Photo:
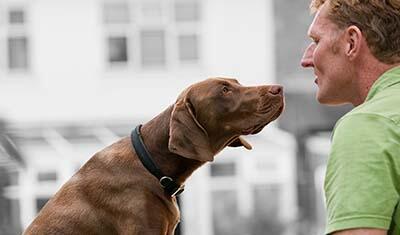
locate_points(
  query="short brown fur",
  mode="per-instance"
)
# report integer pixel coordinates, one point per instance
(114, 194)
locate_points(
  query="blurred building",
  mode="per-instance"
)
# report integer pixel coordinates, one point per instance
(10, 162)
(77, 75)
(245, 192)
(310, 122)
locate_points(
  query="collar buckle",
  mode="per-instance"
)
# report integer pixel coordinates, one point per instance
(167, 183)
(171, 186)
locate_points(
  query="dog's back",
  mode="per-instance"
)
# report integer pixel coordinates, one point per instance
(110, 194)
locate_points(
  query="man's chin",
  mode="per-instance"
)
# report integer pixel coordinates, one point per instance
(321, 99)
(329, 101)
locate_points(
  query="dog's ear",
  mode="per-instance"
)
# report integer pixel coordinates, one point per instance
(186, 135)
(238, 142)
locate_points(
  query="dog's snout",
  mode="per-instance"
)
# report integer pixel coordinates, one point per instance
(276, 90)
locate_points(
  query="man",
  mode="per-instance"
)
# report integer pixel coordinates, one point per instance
(355, 55)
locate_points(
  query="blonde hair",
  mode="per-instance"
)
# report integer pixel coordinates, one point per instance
(379, 21)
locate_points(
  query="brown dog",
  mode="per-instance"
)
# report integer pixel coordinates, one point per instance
(113, 193)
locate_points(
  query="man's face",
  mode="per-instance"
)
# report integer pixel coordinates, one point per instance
(326, 56)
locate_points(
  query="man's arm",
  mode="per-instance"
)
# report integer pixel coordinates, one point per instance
(360, 189)
(361, 231)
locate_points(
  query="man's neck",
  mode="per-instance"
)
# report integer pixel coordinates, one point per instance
(367, 74)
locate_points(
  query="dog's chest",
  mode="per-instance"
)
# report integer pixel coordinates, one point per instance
(177, 213)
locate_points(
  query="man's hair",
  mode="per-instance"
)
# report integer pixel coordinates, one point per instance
(378, 20)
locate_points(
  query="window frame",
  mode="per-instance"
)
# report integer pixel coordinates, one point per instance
(166, 22)
(109, 56)
(9, 31)
(198, 51)
(13, 44)
(3, 41)
(47, 176)
(162, 58)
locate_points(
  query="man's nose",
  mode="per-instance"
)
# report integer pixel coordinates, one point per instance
(307, 60)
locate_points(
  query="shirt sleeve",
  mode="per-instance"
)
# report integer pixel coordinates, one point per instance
(361, 183)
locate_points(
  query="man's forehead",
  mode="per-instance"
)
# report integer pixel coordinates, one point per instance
(320, 22)
(316, 4)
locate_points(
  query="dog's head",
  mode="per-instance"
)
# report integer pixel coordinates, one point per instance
(214, 113)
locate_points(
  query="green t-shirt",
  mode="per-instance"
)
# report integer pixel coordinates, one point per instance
(362, 182)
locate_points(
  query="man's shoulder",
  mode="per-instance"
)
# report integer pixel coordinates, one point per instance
(374, 119)
(385, 105)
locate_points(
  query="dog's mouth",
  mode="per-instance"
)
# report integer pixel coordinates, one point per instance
(254, 129)
(257, 128)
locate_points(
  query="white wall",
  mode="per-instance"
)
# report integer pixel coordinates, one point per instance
(69, 80)
(271, 161)
(239, 36)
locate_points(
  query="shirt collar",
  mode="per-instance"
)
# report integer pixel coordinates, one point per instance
(389, 78)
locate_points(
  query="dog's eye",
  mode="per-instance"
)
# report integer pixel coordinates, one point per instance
(225, 90)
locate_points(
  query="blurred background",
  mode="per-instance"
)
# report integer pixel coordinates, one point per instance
(76, 75)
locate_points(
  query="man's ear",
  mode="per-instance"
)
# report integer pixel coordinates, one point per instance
(187, 137)
(238, 142)
(354, 39)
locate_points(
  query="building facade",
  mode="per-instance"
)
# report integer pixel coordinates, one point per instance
(77, 75)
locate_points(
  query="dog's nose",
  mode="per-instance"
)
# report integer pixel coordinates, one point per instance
(276, 90)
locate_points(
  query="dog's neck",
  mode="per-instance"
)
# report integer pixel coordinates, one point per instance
(155, 135)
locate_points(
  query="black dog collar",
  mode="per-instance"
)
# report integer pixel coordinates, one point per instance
(169, 185)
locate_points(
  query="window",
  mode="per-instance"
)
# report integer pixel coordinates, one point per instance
(16, 16)
(188, 50)
(78, 137)
(118, 49)
(153, 48)
(263, 192)
(223, 169)
(15, 214)
(187, 11)
(14, 177)
(17, 52)
(3, 41)
(40, 202)
(152, 33)
(225, 213)
(266, 215)
(152, 11)
(116, 13)
(16, 40)
(47, 176)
